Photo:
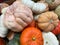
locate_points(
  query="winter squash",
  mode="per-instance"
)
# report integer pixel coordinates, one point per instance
(52, 3)
(47, 21)
(31, 36)
(50, 39)
(17, 17)
(3, 5)
(3, 29)
(37, 8)
(56, 31)
(57, 11)
(2, 42)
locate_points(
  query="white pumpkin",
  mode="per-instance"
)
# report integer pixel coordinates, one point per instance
(50, 39)
(36, 7)
(3, 29)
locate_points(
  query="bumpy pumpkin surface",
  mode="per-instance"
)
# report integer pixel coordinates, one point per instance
(17, 17)
(47, 21)
(50, 39)
(31, 36)
(52, 3)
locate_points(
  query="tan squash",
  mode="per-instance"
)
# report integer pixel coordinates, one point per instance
(47, 21)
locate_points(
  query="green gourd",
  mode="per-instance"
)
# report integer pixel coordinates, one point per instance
(57, 11)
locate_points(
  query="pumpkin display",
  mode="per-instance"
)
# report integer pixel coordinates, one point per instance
(36, 7)
(31, 36)
(57, 11)
(17, 17)
(56, 31)
(3, 29)
(2, 42)
(47, 21)
(3, 5)
(50, 39)
(52, 3)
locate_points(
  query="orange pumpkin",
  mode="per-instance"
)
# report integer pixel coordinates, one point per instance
(47, 21)
(31, 36)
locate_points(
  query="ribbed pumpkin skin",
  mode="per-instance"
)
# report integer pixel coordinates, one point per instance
(47, 21)
(17, 17)
(28, 34)
(56, 31)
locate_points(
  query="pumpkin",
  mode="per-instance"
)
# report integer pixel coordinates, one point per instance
(52, 3)
(3, 5)
(37, 8)
(56, 31)
(47, 21)
(17, 17)
(31, 36)
(57, 11)
(2, 42)
(3, 29)
(50, 39)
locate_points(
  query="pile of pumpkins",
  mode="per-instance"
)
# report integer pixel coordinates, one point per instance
(30, 22)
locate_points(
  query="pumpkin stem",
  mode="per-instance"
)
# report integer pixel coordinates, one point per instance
(51, 21)
(33, 38)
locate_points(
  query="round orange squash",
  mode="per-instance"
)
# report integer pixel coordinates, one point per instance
(31, 36)
(47, 21)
